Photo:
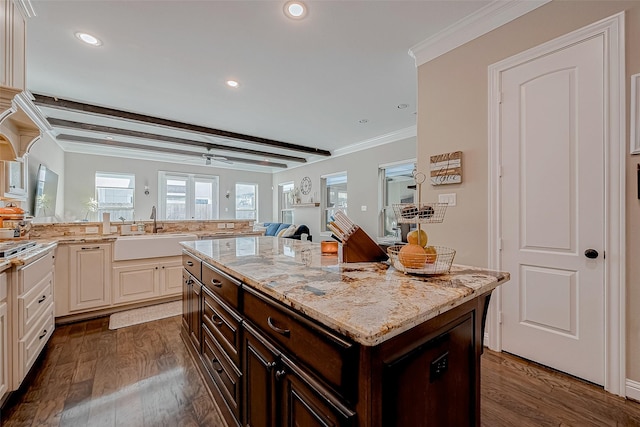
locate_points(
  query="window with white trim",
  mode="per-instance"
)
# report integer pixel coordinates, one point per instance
(246, 201)
(394, 182)
(188, 196)
(285, 202)
(115, 195)
(334, 197)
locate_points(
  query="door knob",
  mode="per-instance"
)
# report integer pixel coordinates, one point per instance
(591, 253)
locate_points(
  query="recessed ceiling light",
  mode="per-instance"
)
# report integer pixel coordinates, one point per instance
(89, 39)
(295, 10)
(232, 83)
(363, 121)
(403, 106)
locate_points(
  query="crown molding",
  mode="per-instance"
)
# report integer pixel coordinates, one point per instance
(26, 8)
(387, 138)
(484, 20)
(24, 100)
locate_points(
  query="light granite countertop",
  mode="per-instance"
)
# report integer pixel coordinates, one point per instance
(367, 302)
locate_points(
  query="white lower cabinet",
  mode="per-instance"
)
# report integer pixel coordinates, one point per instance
(33, 312)
(4, 340)
(89, 276)
(140, 280)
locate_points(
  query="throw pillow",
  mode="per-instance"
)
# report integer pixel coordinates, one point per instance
(272, 229)
(290, 231)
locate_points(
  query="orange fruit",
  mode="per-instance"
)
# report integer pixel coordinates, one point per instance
(431, 254)
(412, 256)
(418, 238)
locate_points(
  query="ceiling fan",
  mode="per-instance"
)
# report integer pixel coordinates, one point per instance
(208, 157)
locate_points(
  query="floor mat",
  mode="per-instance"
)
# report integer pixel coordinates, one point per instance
(144, 314)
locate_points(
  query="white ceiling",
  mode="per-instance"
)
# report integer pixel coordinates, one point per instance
(306, 82)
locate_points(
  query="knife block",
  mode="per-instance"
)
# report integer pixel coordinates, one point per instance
(359, 247)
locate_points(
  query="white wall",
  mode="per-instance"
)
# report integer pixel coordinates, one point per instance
(80, 172)
(362, 184)
(47, 152)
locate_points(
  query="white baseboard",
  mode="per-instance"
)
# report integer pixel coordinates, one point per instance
(632, 390)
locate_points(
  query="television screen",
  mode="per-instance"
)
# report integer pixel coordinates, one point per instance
(46, 192)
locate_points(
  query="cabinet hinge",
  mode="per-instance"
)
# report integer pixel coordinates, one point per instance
(499, 100)
(500, 244)
(500, 318)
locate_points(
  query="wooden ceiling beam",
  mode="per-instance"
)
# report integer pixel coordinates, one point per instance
(68, 124)
(67, 105)
(122, 144)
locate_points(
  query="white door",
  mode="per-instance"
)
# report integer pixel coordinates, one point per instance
(552, 125)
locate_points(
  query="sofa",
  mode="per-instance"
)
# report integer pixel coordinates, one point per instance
(280, 229)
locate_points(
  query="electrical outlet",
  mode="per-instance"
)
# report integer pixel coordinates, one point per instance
(231, 225)
(221, 225)
(363, 208)
(113, 229)
(91, 230)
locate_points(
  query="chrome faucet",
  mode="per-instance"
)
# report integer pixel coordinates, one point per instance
(153, 217)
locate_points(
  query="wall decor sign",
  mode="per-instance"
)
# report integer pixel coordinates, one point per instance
(446, 168)
(635, 114)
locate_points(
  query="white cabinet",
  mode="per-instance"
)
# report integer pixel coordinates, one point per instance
(89, 276)
(33, 313)
(13, 46)
(140, 280)
(4, 340)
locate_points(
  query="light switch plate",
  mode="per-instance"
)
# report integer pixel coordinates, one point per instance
(449, 198)
(221, 225)
(91, 230)
(231, 225)
(363, 208)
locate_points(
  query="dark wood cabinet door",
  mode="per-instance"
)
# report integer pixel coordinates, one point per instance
(259, 367)
(195, 312)
(435, 384)
(303, 402)
(186, 292)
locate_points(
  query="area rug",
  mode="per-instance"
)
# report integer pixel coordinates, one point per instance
(144, 314)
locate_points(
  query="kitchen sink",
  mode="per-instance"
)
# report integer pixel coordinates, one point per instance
(149, 245)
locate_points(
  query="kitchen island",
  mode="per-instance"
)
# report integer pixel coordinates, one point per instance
(284, 335)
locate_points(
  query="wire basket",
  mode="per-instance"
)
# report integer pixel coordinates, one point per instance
(435, 261)
(425, 213)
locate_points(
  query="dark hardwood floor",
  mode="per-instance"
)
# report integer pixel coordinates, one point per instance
(142, 376)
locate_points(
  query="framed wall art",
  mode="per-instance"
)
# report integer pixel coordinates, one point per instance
(446, 168)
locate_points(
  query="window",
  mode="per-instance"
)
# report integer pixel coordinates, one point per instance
(334, 197)
(394, 180)
(188, 196)
(285, 202)
(247, 201)
(115, 195)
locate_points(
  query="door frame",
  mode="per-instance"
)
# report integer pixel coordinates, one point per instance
(613, 32)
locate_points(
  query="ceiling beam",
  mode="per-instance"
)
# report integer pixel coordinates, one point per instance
(68, 124)
(67, 105)
(122, 144)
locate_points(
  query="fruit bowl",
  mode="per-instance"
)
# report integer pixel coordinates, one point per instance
(429, 263)
(426, 213)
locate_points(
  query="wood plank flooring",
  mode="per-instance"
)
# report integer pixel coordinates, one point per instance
(143, 376)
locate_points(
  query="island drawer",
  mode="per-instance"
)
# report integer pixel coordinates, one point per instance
(223, 373)
(221, 284)
(332, 357)
(192, 264)
(223, 323)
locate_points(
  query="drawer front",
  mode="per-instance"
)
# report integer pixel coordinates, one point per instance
(223, 324)
(221, 284)
(192, 264)
(223, 373)
(333, 358)
(32, 344)
(31, 305)
(33, 273)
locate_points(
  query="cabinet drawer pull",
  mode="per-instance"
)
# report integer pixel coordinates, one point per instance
(217, 320)
(90, 248)
(44, 333)
(190, 263)
(41, 300)
(216, 365)
(280, 374)
(190, 282)
(216, 283)
(284, 332)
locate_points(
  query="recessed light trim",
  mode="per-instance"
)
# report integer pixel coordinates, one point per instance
(88, 39)
(363, 121)
(233, 83)
(403, 106)
(295, 9)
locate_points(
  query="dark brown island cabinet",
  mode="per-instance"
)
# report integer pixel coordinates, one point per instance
(268, 365)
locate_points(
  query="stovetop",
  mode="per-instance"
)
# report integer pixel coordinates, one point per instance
(8, 249)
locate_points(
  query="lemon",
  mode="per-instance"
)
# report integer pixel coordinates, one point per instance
(415, 238)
